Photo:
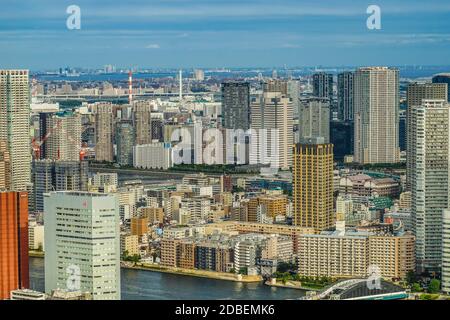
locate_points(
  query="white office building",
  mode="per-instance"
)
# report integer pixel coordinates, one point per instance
(157, 155)
(82, 243)
(429, 133)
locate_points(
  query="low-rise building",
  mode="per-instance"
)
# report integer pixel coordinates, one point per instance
(129, 244)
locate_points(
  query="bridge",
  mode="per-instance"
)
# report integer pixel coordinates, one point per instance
(357, 289)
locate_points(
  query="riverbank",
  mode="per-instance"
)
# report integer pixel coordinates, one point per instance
(289, 284)
(195, 273)
(179, 271)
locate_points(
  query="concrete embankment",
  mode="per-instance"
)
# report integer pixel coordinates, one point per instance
(195, 273)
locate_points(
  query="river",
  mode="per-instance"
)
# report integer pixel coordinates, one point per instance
(148, 285)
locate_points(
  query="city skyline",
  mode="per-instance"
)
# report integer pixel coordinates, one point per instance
(177, 33)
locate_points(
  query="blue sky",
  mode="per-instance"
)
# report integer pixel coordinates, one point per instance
(223, 33)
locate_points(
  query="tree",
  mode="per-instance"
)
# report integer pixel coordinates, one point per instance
(410, 277)
(243, 270)
(416, 287)
(434, 286)
(285, 267)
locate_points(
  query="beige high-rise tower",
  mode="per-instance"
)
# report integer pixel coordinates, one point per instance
(5, 167)
(312, 179)
(15, 126)
(272, 111)
(64, 143)
(104, 124)
(142, 112)
(376, 104)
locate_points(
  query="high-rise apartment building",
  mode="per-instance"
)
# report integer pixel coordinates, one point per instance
(345, 96)
(82, 243)
(49, 175)
(341, 136)
(350, 254)
(13, 242)
(125, 141)
(236, 105)
(104, 128)
(429, 179)
(313, 186)
(142, 113)
(63, 136)
(44, 132)
(315, 119)
(323, 85)
(293, 91)
(445, 271)
(376, 104)
(416, 94)
(276, 85)
(15, 125)
(272, 111)
(445, 79)
(5, 167)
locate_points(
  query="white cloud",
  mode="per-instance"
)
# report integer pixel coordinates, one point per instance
(153, 46)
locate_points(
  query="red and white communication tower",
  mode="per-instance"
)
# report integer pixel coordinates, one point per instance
(130, 87)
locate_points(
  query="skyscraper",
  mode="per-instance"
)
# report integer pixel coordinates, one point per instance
(125, 142)
(345, 96)
(13, 242)
(429, 179)
(315, 119)
(5, 167)
(272, 111)
(376, 103)
(82, 243)
(416, 94)
(64, 136)
(445, 274)
(276, 85)
(236, 105)
(323, 85)
(293, 91)
(443, 78)
(312, 179)
(43, 132)
(104, 150)
(15, 125)
(142, 111)
(341, 136)
(49, 175)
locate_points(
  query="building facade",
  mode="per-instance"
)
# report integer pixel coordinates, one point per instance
(104, 129)
(15, 126)
(345, 96)
(236, 105)
(14, 242)
(312, 178)
(376, 104)
(429, 179)
(272, 130)
(82, 243)
(416, 94)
